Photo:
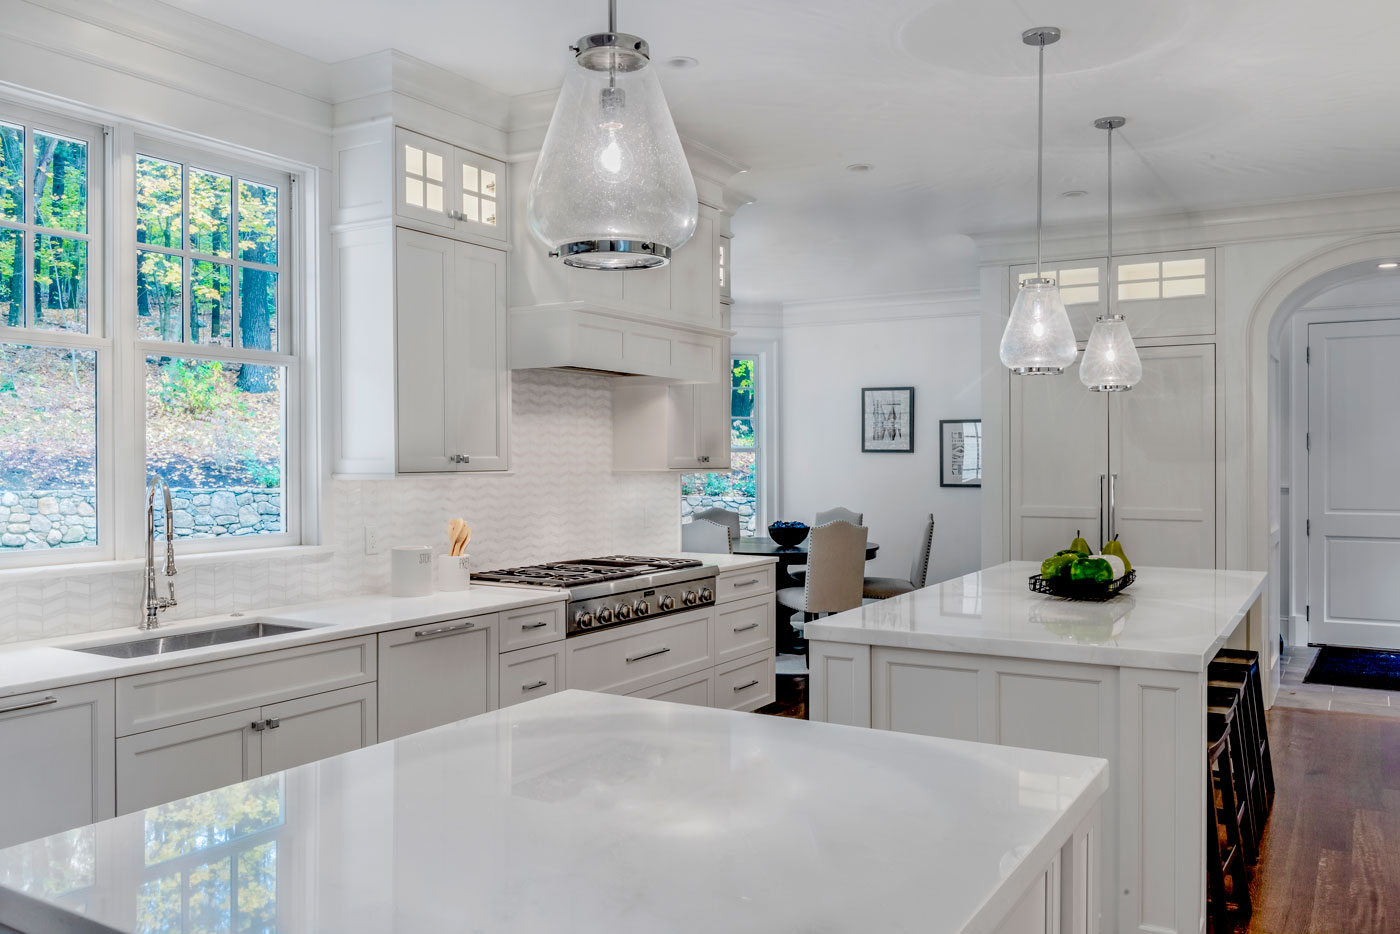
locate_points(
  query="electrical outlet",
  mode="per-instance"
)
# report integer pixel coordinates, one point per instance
(372, 540)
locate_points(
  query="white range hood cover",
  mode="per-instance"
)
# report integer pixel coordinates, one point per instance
(594, 336)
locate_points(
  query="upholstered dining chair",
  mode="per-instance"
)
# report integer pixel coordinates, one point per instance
(834, 514)
(723, 517)
(879, 588)
(705, 536)
(835, 573)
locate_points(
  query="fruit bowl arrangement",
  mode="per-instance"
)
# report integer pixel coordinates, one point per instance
(788, 534)
(1079, 574)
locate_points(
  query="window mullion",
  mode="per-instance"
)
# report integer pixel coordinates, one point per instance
(235, 279)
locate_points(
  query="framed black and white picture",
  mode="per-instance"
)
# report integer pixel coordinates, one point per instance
(960, 460)
(887, 419)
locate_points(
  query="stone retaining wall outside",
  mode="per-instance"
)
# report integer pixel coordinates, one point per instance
(748, 520)
(36, 519)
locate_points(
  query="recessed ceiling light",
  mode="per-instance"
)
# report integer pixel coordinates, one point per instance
(859, 167)
(1387, 265)
(1073, 193)
(682, 61)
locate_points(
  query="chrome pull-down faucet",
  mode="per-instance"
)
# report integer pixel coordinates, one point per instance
(154, 602)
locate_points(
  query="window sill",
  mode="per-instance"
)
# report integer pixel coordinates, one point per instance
(203, 559)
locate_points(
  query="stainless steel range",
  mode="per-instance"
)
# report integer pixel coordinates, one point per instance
(618, 589)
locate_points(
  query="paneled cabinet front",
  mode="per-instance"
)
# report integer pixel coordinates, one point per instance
(449, 187)
(58, 766)
(436, 673)
(452, 375)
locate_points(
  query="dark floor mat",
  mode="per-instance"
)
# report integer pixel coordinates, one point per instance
(1355, 668)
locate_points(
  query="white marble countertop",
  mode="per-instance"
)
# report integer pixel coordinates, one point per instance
(731, 562)
(1170, 618)
(585, 813)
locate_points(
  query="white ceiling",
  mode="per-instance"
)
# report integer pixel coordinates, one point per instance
(1227, 102)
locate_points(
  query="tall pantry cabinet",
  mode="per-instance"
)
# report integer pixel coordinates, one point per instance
(1143, 464)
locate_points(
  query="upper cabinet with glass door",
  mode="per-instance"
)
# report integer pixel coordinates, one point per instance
(1161, 294)
(450, 188)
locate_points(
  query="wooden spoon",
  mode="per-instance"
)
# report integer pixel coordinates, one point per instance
(466, 537)
(454, 528)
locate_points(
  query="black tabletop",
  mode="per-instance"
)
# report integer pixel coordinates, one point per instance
(797, 555)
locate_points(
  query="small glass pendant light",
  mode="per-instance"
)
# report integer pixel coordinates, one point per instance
(1038, 340)
(612, 188)
(1111, 361)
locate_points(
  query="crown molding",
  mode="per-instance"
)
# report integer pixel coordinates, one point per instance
(869, 309)
(1355, 213)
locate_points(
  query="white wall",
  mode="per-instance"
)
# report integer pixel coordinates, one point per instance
(930, 345)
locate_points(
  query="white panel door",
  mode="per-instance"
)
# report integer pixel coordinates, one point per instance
(175, 762)
(1162, 486)
(1059, 463)
(1353, 494)
(477, 371)
(59, 772)
(424, 284)
(311, 728)
(435, 674)
(423, 189)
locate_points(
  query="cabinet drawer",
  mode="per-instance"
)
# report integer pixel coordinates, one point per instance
(746, 684)
(531, 625)
(629, 658)
(530, 673)
(696, 690)
(435, 673)
(193, 692)
(747, 583)
(744, 627)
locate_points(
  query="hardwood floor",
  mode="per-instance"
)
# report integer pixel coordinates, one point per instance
(1330, 863)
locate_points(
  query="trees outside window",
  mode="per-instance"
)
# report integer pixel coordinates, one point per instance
(736, 489)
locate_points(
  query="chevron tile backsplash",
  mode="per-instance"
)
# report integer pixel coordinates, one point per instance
(560, 499)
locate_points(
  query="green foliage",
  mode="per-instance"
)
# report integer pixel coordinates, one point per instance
(267, 476)
(7, 385)
(194, 387)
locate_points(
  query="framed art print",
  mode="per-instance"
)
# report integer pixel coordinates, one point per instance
(960, 458)
(887, 420)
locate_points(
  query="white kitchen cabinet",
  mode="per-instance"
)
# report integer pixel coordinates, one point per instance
(681, 426)
(1141, 464)
(695, 689)
(626, 659)
(747, 683)
(449, 187)
(526, 674)
(178, 761)
(436, 673)
(452, 386)
(174, 762)
(59, 770)
(744, 627)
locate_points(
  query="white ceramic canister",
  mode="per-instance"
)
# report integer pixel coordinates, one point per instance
(411, 571)
(454, 572)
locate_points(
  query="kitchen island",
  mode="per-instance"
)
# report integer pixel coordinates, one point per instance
(592, 813)
(983, 658)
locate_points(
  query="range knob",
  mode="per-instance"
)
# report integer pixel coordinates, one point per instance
(642, 608)
(624, 611)
(583, 619)
(706, 595)
(605, 616)
(667, 603)
(691, 598)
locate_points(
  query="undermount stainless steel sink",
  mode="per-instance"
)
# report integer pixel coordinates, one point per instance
(179, 642)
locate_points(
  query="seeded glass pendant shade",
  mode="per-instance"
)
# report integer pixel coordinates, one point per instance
(1111, 362)
(1038, 340)
(612, 188)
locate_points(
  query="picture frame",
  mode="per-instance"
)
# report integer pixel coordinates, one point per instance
(887, 420)
(960, 452)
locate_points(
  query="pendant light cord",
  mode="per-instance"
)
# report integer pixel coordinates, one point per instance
(1040, 149)
(612, 16)
(1111, 289)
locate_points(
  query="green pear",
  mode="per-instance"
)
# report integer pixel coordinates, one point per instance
(1080, 545)
(1115, 548)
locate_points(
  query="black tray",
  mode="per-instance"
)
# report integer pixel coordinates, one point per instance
(1083, 590)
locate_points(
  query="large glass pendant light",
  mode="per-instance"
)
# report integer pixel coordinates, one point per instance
(1038, 340)
(612, 188)
(1111, 362)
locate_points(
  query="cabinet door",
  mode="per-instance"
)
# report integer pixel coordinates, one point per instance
(59, 771)
(694, 295)
(421, 184)
(434, 674)
(477, 371)
(1058, 463)
(712, 432)
(1163, 501)
(425, 283)
(682, 419)
(317, 727)
(178, 761)
(478, 192)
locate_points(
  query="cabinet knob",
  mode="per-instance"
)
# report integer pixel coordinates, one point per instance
(705, 459)
(274, 722)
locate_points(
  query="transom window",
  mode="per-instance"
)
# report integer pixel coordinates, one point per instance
(1173, 278)
(1078, 285)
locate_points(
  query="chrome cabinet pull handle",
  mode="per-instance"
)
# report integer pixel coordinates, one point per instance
(44, 702)
(443, 630)
(744, 687)
(532, 687)
(259, 725)
(637, 658)
(274, 722)
(746, 628)
(1112, 505)
(538, 625)
(748, 583)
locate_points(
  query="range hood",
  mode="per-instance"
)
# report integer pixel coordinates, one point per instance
(614, 341)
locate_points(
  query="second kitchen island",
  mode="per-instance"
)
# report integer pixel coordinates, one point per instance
(981, 657)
